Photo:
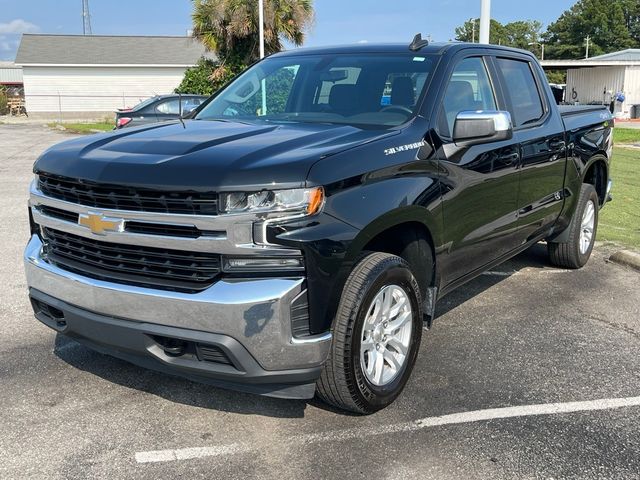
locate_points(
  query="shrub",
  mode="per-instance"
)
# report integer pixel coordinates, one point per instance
(4, 108)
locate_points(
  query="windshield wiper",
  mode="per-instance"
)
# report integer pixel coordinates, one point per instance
(225, 120)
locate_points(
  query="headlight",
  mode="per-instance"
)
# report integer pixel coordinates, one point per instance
(298, 200)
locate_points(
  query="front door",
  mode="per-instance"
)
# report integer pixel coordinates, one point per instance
(479, 183)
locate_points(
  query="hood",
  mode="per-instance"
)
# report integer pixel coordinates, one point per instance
(204, 155)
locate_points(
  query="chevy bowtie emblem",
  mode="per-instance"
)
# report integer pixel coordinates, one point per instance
(99, 224)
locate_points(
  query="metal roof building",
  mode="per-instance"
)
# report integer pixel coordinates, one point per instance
(597, 80)
(10, 74)
(89, 76)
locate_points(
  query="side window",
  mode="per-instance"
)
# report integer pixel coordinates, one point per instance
(469, 88)
(522, 91)
(169, 107)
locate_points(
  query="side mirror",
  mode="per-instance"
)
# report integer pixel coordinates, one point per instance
(482, 126)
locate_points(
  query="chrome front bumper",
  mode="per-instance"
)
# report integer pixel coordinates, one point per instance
(253, 312)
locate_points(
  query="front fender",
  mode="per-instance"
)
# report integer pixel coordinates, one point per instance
(354, 214)
(394, 218)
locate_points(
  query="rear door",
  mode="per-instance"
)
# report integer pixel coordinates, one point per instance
(539, 131)
(480, 182)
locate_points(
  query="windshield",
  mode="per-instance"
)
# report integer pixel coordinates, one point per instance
(354, 89)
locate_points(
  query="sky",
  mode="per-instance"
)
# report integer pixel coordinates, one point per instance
(336, 22)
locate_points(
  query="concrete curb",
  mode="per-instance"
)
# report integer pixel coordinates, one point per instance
(626, 258)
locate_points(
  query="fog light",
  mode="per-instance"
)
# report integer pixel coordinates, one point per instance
(261, 264)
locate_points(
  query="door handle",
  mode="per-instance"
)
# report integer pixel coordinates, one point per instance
(557, 145)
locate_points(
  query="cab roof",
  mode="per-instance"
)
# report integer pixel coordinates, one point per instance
(436, 48)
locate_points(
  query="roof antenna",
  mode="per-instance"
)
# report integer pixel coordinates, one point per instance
(417, 43)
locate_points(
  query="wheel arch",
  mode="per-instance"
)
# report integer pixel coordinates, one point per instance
(596, 173)
(411, 233)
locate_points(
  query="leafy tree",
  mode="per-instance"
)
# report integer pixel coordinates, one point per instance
(556, 76)
(520, 34)
(230, 29)
(198, 80)
(631, 13)
(610, 24)
(470, 31)
(515, 34)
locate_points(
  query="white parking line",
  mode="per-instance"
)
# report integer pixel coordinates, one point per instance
(352, 433)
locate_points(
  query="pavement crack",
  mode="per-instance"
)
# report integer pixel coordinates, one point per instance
(614, 325)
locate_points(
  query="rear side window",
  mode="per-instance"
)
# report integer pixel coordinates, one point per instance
(522, 90)
(171, 107)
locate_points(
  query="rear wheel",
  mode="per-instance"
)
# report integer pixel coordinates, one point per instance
(376, 336)
(576, 250)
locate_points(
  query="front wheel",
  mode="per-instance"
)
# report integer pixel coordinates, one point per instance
(376, 336)
(576, 250)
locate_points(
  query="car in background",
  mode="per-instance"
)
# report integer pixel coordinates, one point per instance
(158, 109)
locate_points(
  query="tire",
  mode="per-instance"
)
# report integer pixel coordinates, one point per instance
(344, 383)
(575, 252)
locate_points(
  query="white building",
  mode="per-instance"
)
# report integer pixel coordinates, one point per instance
(91, 76)
(597, 80)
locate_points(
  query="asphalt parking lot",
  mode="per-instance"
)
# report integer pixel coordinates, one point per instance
(529, 372)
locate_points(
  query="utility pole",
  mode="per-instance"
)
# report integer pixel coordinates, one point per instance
(588, 39)
(485, 20)
(261, 32)
(86, 18)
(261, 26)
(531, 44)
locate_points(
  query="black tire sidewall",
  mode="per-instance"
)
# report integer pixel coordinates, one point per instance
(588, 193)
(373, 396)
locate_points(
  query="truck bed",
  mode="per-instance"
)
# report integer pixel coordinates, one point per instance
(581, 116)
(566, 110)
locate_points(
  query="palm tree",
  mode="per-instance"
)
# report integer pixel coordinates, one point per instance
(230, 27)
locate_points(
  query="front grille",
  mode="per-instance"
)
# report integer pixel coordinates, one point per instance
(59, 213)
(146, 228)
(131, 264)
(118, 197)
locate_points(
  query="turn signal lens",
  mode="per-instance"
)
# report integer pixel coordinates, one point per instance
(316, 199)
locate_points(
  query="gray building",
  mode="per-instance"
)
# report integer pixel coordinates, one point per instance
(596, 80)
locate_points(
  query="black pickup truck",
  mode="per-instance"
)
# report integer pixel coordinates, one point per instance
(293, 237)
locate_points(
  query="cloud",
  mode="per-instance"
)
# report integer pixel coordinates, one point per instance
(18, 26)
(8, 45)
